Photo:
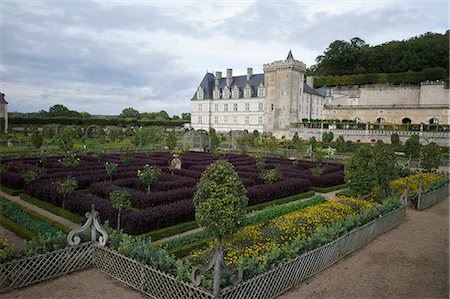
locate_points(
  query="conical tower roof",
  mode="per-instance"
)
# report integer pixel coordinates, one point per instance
(290, 56)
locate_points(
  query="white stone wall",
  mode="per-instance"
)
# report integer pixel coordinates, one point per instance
(220, 114)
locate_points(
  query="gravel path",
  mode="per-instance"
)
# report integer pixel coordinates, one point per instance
(410, 261)
(12, 238)
(67, 223)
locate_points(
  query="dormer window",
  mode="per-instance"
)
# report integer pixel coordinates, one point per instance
(226, 93)
(261, 90)
(247, 91)
(216, 93)
(235, 94)
(200, 93)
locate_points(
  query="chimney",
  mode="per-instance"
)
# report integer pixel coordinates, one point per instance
(218, 77)
(229, 76)
(249, 73)
(310, 81)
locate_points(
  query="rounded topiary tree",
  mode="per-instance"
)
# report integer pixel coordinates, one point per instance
(121, 201)
(220, 202)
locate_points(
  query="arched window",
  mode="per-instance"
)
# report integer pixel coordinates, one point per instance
(434, 121)
(406, 120)
(381, 120)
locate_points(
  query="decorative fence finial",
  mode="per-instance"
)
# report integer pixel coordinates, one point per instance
(94, 225)
(217, 262)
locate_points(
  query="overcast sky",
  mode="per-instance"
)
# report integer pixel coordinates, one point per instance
(103, 56)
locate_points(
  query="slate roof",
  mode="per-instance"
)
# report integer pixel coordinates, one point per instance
(290, 56)
(241, 81)
(324, 90)
(2, 99)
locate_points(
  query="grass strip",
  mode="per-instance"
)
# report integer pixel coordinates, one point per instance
(78, 219)
(328, 189)
(17, 229)
(13, 192)
(346, 192)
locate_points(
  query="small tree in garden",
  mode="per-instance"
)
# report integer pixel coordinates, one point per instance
(65, 139)
(220, 202)
(121, 201)
(36, 139)
(371, 167)
(413, 146)
(327, 137)
(70, 160)
(395, 141)
(66, 187)
(127, 159)
(30, 176)
(220, 199)
(214, 141)
(312, 143)
(148, 175)
(175, 164)
(295, 138)
(171, 140)
(430, 156)
(260, 162)
(341, 145)
(110, 168)
(271, 175)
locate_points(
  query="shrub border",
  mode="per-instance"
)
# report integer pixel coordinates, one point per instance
(17, 229)
(78, 219)
(10, 191)
(329, 189)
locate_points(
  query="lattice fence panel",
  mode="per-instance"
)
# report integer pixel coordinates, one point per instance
(431, 198)
(152, 282)
(23, 272)
(279, 280)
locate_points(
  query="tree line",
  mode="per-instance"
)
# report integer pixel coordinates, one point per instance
(427, 51)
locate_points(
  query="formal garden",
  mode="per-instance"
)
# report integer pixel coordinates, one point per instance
(244, 217)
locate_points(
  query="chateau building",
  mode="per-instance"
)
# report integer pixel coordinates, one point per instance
(266, 102)
(427, 103)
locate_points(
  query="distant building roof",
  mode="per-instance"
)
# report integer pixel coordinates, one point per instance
(324, 91)
(241, 81)
(290, 56)
(2, 99)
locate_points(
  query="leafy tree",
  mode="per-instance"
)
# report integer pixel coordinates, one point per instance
(371, 167)
(413, 146)
(260, 162)
(148, 175)
(341, 145)
(127, 159)
(186, 116)
(395, 140)
(110, 168)
(129, 113)
(66, 187)
(327, 137)
(36, 139)
(66, 139)
(171, 140)
(61, 110)
(70, 160)
(153, 136)
(30, 176)
(313, 143)
(121, 201)
(214, 141)
(430, 156)
(220, 199)
(295, 138)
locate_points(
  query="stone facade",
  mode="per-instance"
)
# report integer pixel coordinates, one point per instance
(4, 111)
(263, 102)
(427, 103)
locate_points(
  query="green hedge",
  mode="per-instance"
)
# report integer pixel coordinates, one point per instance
(17, 229)
(436, 73)
(328, 189)
(346, 192)
(29, 219)
(10, 191)
(113, 121)
(53, 209)
(280, 201)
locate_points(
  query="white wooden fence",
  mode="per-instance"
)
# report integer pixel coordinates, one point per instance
(425, 200)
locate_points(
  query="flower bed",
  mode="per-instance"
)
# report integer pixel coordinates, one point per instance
(170, 201)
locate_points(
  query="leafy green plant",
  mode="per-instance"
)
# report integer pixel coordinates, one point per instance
(66, 187)
(270, 176)
(70, 160)
(171, 140)
(36, 139)
(260, 162)
(341, 145)
(110, 168)
(327, 137)
(120, 200)
(317, 171)
(148, 175)
(220, 199)
(127, 159)
(413, 146)
(430, 156)
(30, 176)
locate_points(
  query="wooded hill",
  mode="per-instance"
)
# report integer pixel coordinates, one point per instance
(421, 58)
